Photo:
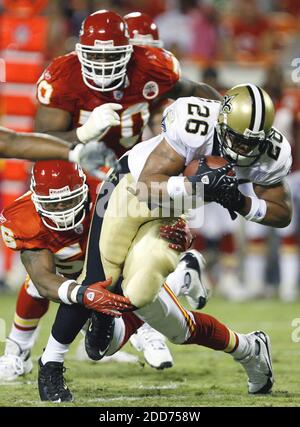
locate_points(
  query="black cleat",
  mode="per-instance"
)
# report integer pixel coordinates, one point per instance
(52, 386)
(99, 335)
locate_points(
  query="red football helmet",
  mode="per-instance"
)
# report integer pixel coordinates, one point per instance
(142, 30)
(104, 50)
(59, 193)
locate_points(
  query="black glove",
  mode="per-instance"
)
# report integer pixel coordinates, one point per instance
(230, 198)
(213, 180)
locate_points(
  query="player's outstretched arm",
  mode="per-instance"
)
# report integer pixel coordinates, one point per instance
(185, 87)
(41, 268)
(31, 146)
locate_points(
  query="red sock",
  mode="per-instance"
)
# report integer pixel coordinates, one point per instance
(29, 310)
(211, 333)
(132, 324)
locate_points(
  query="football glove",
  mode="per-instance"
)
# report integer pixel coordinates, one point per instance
(97, 297)
(93, 156)
(179, 235)
(99, 122)
(231, 198)
(213, 180)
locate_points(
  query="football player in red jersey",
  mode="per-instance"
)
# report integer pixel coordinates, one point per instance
(142, 30)
(107, 89)
(49, 225)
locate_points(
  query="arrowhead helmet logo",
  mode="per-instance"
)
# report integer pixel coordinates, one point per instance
(90, 296)
(205, 179)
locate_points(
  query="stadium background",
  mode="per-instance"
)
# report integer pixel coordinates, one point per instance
(254, 271)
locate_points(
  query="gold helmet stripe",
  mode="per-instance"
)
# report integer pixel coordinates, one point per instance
(258, 108)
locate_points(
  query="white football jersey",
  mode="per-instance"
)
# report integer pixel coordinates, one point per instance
(188, 125)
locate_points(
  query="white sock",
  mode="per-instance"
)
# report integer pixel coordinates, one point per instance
(25, 339)
(243, 348)
(54, 351)
(175, 280)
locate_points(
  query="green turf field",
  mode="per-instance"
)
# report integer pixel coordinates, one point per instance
(200, 377)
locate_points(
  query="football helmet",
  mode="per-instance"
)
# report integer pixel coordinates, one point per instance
(59, 193)
(244, 123)
(104, 50)
(142, 30)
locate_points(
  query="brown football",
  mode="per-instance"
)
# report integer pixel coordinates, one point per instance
(213, 162)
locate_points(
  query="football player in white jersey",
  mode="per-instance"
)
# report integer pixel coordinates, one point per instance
(124, 241)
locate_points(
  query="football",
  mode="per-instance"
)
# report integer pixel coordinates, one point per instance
(213, 162)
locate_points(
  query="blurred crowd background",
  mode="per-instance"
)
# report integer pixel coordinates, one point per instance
(220, 42)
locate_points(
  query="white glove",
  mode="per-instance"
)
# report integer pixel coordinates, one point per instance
(92, 156)
(99, 122)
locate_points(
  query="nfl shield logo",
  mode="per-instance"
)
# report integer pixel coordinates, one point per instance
(118, 94)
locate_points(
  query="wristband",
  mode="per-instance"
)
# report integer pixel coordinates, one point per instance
(176, 187)
(73, 296)
(63, 291)
(257, 211)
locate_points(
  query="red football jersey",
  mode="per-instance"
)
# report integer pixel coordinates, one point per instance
(151, 73)
(22, 228)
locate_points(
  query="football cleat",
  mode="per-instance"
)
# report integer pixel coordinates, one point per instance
(153, 346)
(193, 288)
(118, 357)
(258, 363)
(15, 362)
(52, 385)
(99, 335)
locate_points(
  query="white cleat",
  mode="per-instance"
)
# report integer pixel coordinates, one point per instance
(258, 364)
(193, 288)
(15, 362)
(152, 344)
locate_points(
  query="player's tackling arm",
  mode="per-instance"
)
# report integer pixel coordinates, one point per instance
(31, 146)
(40, 266)
(185, 87)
